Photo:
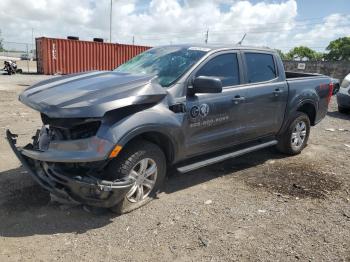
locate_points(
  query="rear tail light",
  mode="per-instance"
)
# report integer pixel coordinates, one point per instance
(330, 92)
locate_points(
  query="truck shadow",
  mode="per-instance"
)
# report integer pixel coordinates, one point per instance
(27, 211)
(338, 115)
(178, 181)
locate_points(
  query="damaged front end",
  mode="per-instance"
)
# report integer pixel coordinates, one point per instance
(69, 156)
(70, 162)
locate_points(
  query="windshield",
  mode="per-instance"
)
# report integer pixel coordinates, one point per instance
(168, 63)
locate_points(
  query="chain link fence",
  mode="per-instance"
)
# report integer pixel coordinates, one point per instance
(23, 53)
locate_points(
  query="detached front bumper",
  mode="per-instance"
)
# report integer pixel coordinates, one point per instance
(78, 188)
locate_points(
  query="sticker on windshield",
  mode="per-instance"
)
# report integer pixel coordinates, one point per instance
(204, 49)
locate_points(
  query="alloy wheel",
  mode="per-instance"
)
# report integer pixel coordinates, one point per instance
(145, 175)
(298, 135)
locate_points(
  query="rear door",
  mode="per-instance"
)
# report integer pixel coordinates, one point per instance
(266, 94)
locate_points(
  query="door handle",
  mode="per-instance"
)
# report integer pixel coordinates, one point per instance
(237, 99)
(278, 91)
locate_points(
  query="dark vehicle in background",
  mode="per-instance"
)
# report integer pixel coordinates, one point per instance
(108, 137)
(343, 96)
(30, 57)
(336, 85)
(25, 57)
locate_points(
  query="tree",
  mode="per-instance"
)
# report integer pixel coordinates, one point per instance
(319, 56)
(1, 43)
(339, 49)
(304, 52)
(281, 54)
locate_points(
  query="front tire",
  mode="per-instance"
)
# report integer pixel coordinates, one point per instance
(295, 138)
(145, 163)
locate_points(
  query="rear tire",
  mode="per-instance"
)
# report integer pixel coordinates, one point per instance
(295, 138)
(145, 162)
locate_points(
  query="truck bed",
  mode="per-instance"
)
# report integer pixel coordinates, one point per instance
(293, 75)
(314, 86)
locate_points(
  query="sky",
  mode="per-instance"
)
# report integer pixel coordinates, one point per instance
(280, 24)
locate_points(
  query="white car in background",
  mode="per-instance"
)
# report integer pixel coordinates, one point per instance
(343, 96)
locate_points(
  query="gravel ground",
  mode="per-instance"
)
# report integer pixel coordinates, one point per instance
(260, 207)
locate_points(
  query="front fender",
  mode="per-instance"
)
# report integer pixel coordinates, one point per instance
(157, 119)
(145, 129)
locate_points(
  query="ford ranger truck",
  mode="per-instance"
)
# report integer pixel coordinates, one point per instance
(108, 137)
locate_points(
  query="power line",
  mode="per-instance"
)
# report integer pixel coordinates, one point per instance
(263, 26)
(267, 29)
(249, 24)
(182, 36)
(233, 31)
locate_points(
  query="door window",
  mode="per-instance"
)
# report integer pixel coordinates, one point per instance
(224, 67)
(260, 67)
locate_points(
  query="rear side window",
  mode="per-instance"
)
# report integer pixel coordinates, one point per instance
(224, 67)
(260, 67)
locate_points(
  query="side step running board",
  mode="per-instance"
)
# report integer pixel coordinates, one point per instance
(210, 161)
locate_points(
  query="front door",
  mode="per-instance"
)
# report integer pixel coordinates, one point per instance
(213, 121)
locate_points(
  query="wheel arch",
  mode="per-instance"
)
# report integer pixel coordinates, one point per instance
(156, 136)
(308, 108)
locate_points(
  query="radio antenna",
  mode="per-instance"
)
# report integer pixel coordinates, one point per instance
(240, 42)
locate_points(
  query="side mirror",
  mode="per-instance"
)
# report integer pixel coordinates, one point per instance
(206, 84)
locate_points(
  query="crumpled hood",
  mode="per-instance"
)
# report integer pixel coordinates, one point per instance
(91, 94)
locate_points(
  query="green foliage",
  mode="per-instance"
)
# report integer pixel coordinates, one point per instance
(281, 54)
(319, 56)
(339, 49)
(303, 52)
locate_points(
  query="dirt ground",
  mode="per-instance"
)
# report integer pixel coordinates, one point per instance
(260, 207)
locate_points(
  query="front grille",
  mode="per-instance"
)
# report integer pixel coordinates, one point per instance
(76, 132)
(71, 128)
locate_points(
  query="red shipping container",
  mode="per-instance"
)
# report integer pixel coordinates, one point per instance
(64, 56)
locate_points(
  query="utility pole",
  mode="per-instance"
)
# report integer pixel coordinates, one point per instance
(27, 59)
(110, 22)
(207, 36)
(33, 44)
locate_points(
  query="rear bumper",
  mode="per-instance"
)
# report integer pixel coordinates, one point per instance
(76, 188)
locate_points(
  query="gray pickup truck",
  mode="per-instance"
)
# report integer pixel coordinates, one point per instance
(108, 137)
